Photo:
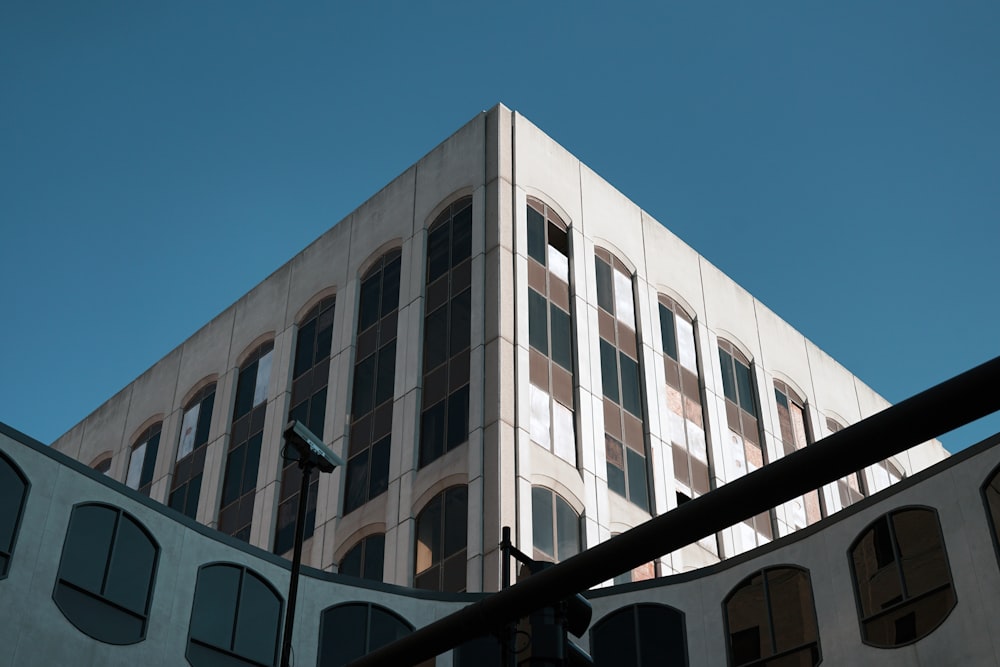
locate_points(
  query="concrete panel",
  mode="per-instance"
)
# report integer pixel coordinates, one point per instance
(545, 169)
(259, 312)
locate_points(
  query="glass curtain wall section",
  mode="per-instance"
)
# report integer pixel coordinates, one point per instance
(374, 375)
(623, 414)
(550, 333)
(240, 484)
(310, 375)
(366, 559)
(795, 435)
(444, 422)
(556, 528)
(442, 535)
(185, 488)
(142, 463)
(744, 446)
(847, 490)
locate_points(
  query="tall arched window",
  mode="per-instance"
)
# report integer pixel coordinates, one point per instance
(310, 375)
(240, 484)
(142, 463)
(771, 620)
(442, 530)
(902, 579)
(793, 423)
(625, 442)
(550, 333)
(556, 528)
(374, 376)
(640, 635)
(744, 447)
(355, 629)
(185, 488)
(444, 422)
(991, 496)
(13, 493)
(365, 559)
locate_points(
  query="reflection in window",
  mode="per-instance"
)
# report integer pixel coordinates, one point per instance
(235, 618)
(550, 333)
(845, 491)
(771, 620)
(142, 463)
(236, 511)
(441, 542)
(901, 577)
(186, 486)
(555, 526)
(623, 417)
(350, 631)
(643, 635)
(13, 493)
(444, 422)
(374, 375)
(365, 559)
(743, 447)
(795, 435)
(310, 375)
(991, 495)
(882, 475)
(105, 581)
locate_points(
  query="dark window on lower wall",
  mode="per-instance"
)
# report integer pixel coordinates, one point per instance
(991, 496)
(771, 620)
(902, 580)
(355, 629)
(235, 618)
(442, 530)
(642, 635)
(13, 493)
(105, 581)
(365, 559)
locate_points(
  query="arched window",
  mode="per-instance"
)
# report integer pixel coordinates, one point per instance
(236, 510)
(365, 559)
(847, 490)
(102, 463)
(550, 333)
(771, 620)
(350, 631)
(310, 375)
(793, 423)
(13, 493)
(901, 577)
(442, 529)
(991, 496)
(374, 376)
(105, 581)
(625, 443)
(555, 526)
(235, 618)
(883, 475)
(642, 635)
(744, 448)
(186, 486)
(142, 463)
(444, 422)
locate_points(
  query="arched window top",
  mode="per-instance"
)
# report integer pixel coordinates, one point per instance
(442, 536)
(547, 212)
(902, 579)
(385, 259)
(320, 302)
(789, 390)
(366, 559)
(683, 311)
(13, 494)
(456, 209)
(102, 462)
(556, 528)
(991, 497)
(734, 351)
(644, 635)
(355, 629)
(106, 573)
(142, 463)
(235, 618)
(770, 619)
(147, 433)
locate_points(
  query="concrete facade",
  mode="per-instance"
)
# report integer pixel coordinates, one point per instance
(501, 161)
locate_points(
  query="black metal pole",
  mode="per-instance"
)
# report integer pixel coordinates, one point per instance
(922, 417)
(506, 635)
(293, 584)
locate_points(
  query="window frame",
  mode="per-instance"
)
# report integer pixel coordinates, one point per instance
(460, 554)
(636, 609)
(370, 607)
(153, 431)
(363, 544)
(191, 466)
(7, 551)
(553, 526)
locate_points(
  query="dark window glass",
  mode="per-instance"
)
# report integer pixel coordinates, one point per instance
(609, 370)
(902, 580)
(744, 383)
(562, 338)
(432, 432)
(441, 542)
(637, 490)
(771, 620)
(542, 526)
(668, 335)
(374, 377)
(13, 493)
(235, 618)
(728, 376)
(350, 631)
(365, 559)
(142, 464)
(536, 236)
(630, 384)
(105, 581)
(556, 532)
(641, 635)
(438, 245)
(538, 322)
(605, 286)
(991, 496)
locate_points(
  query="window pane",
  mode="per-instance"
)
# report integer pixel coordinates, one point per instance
(357, 482)
(189, 427)
(637, 478)
(390, 286)
(536, 236)
(432, 434)
(605, 286)
(458, 418)
(344, 634)
(435, 338)
(624, 300)
(234, 475)
(461, 323)
(386, 628)
(88, 544)
(204, 419)
(745, 385)
(792, 611)
(364, 386)
(368, 307)
(661, 636)
(562, 338)
(568, 529)
(429, 535)
(258, 621)
(609, 370)
(351, 563)
(374, 557)
(379, 481)
(245, 390)
(386, 373)
(613, 640)
(461, 236)
(131, 569)
(437, 252)
(538, 321)
(874, 566)
(304, 351)
(135, 467)
(214, 610)
(455, 520)
(630, 385)
(747, 622)
(668, 335)
(262, 379)
(728, 378)
(542, 535)
(922, 556)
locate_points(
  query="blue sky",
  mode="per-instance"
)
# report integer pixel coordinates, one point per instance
(841, 160)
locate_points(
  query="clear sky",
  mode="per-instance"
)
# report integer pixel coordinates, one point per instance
(840, 160)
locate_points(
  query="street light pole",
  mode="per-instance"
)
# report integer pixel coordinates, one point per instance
(293, 585)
